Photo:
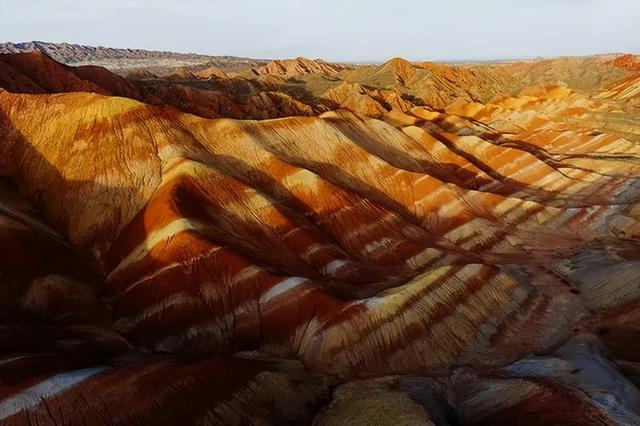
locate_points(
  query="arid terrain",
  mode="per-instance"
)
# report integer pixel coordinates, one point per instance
(124, 61)
(211, 241)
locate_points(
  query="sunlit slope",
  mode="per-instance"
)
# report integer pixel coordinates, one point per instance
(359, 246)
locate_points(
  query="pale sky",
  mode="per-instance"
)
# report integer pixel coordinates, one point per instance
(338, 30)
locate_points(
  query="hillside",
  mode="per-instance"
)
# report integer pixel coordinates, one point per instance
(451, 245)
(127, 60)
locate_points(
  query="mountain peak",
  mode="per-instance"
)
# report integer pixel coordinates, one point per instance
(298, 67)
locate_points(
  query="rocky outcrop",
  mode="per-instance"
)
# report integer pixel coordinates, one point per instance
(299, 67)
(38, 73)
(127, 60)
(225, 97)
(301, 87)
(631, 62)
(78, 375)
(42, 276)
(211, 72)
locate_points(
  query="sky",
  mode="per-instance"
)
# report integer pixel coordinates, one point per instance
(337, 30)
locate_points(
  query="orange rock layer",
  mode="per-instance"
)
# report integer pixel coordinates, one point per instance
(418, 242)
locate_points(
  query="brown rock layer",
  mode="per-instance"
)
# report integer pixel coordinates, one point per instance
(385, 239)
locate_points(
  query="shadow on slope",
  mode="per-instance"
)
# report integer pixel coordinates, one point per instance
(43, 271)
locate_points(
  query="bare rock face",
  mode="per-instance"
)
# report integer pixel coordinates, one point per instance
(302, 87)
(471, 263)
(299, 67)
(72, 53)
(401, 401)
(574, 385)
(88, 367)
(124, 61)
(42, 276)
(38, 73)
(630, 62)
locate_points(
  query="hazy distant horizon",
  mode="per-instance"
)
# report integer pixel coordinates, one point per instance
(355, 31)
(366, 62)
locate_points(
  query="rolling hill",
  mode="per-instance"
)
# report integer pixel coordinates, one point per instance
(301, 242)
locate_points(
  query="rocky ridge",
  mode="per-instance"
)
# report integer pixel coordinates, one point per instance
(466, 256)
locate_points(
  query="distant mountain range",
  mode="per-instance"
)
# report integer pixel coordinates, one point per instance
(127, 60)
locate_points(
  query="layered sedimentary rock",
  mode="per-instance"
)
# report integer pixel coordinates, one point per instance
(574, 385)
(38, 73)
(43, 276)
(302, 87)
(91, 376)
(460, 245)
(298, 67)
(127, 60)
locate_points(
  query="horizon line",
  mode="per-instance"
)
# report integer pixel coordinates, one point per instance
(362, 61)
